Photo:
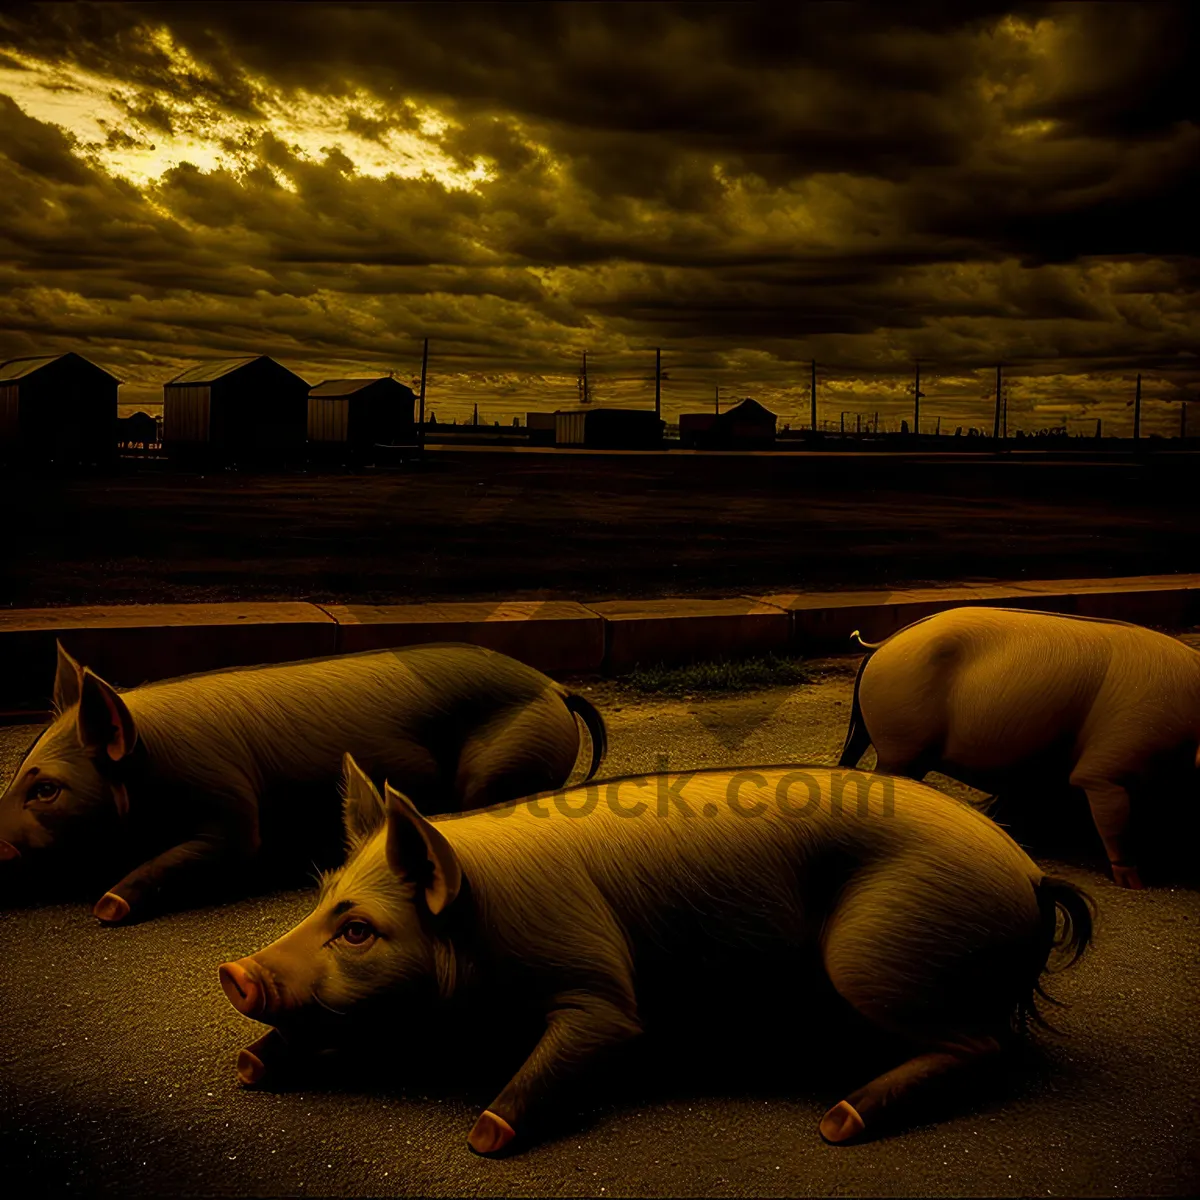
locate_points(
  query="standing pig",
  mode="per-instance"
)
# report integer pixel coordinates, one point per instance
(594, 906)
(181, 776)
(996, 696)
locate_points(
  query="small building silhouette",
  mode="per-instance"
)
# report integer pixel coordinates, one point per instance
(608, 428)
(359, 414)
(541, 427)
(235, 408)
(61, 407)
(695, 428)
(747, 425)
(138, 431)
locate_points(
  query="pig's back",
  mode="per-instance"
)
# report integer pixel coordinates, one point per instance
(754, 869)
(993, 689)
(294, 721)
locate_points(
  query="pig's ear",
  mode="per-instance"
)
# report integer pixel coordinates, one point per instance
(66, 680)
(417, 850)
(363, 810)
(104, 724)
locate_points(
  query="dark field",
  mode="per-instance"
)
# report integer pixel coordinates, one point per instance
(592, 527)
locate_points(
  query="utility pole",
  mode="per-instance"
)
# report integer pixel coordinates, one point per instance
(812, 394)
(996, 422)
(1137, 410)
(917, 394)
(421, 427)
(858, 422)
(843, 422)
(1183, 421)
(658, 383)
(938, 429)
(586, 398)
(717, 397)
(876, 422)
(1098, 428)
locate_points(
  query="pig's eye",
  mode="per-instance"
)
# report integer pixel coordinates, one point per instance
(357, 933)
(43, 792)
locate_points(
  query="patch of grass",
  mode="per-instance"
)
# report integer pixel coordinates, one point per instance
(736, 675)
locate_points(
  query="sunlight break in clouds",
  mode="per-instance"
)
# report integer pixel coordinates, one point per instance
(749, 187)
(98, 113)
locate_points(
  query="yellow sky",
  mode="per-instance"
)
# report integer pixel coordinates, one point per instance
(520, 195)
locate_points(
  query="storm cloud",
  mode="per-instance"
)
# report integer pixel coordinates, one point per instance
(749, 187)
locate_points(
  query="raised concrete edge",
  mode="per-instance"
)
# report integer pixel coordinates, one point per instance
(824, 621)
(131, 644)
(557, 636)
(676, 631)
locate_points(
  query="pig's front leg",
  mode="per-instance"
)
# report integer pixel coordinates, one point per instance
(202, 862)
(1109, 803)
(269, 1056)
(579, 1028)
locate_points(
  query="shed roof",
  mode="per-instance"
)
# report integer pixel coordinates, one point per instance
(749, 409)
(332, 388)
(20, 368)
(207, 372)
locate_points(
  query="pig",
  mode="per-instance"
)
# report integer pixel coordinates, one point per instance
(181, 779)
(998, 697)
(590, 907)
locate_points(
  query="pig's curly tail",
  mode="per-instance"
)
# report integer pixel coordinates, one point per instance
(1056, 898)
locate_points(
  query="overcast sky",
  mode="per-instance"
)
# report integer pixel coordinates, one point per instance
(746, 187)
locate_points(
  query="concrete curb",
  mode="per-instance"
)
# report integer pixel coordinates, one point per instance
(825, 621)
(131, 644)
(675, 631)
(552, 635)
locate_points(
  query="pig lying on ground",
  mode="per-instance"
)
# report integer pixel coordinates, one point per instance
(597, 904)
(180, 776)
(996, 697)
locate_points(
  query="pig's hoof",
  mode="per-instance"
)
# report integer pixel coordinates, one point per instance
(491, 1133)
(841, 1123)
(1127, 877)
(110, 908)
(250, 1068)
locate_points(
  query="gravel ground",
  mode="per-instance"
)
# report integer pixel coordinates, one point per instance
(117, 1061)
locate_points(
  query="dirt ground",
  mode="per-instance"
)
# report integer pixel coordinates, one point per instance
(589, 527)
(117, 1061)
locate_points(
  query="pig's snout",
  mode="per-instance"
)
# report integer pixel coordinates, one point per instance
(8, 852)
(243, 988)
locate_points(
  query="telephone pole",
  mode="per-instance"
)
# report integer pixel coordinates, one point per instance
(421, 427)
(812, 394)
(917, 394)
(1183, 420)
(658, 383)
(586, 398)
(717, 397)
(996, 422)
(1137, 410)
